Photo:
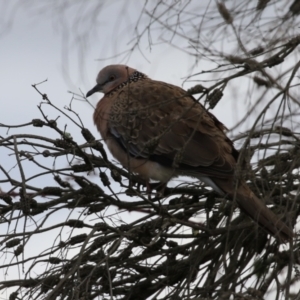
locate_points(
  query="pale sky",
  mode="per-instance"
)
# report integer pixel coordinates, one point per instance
(48, 40)
(40, 42)
(34, 48)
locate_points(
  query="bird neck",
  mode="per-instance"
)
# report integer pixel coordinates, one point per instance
(134, 77)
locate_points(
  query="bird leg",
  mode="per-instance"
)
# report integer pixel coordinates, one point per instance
(158, 186)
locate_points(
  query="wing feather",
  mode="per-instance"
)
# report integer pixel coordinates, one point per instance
(159, 121)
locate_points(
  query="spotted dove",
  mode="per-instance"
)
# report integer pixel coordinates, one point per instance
(159, 131)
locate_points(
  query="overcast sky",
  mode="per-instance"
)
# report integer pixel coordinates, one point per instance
(67, 43)
(36, 45)
(55, 41)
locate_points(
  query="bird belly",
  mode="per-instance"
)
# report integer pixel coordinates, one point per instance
(156, 171)
(144, 167)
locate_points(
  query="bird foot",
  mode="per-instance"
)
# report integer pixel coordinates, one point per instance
(158, 186)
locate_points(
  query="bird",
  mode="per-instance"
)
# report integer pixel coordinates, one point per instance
(159, 131)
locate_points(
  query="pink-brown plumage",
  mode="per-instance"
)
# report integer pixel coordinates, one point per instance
(157, 130)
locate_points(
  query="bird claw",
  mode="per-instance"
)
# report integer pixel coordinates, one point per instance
(158, 186)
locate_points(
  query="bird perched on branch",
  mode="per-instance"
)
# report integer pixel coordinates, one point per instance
(159, 131)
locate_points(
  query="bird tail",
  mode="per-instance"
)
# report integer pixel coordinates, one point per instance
(257, 210)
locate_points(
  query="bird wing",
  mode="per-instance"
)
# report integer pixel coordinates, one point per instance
(161, 122)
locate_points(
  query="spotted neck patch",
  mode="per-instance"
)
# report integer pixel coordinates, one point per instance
(134, 77)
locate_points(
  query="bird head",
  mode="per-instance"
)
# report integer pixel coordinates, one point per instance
(111, 77)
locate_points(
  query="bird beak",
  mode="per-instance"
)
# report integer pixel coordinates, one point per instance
(96, 88)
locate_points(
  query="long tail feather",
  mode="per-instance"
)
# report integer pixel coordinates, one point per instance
(257, 210)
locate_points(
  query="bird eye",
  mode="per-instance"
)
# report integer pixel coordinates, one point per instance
(112, 78)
